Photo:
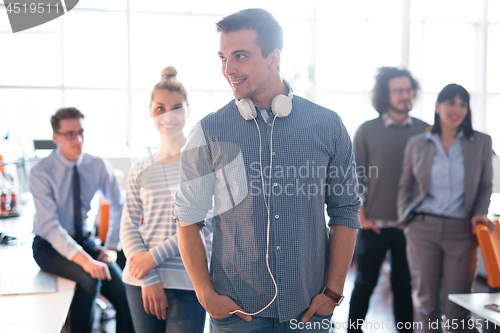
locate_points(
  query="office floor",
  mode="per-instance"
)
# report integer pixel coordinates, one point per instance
(382, 296)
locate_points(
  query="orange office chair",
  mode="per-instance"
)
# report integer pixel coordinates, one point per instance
(103, 226)
(102, 231)
(490, 248)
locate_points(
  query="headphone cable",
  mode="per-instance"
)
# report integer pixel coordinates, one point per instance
(268, 206)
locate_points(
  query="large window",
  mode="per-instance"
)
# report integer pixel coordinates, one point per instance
(105, 56)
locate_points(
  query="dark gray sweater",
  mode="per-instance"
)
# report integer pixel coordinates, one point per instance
(379, 154)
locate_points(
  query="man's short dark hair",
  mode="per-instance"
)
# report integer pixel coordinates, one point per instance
(380, 92)
(269, 32)
(64, 113)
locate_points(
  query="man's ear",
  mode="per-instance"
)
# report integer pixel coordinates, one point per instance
(274, 59)
(54, 138)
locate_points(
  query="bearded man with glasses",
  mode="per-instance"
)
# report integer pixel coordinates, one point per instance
(63, 184)
(379, 148)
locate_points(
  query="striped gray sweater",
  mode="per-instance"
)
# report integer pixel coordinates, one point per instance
(150, 192)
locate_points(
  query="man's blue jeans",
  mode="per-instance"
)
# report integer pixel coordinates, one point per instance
(184, 312)
(317, 324)
(87, 288)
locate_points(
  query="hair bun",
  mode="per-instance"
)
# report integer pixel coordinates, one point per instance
(168, 73)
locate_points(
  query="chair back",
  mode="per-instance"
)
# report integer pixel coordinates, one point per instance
(490, 248)
(102, 229)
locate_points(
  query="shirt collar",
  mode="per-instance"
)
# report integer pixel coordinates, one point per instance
(67, 163)
(435, 136)
(260, 108)
(388, 121)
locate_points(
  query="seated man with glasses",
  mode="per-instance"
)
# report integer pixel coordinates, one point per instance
(63, 184)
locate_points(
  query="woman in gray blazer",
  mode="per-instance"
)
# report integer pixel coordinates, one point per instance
(444, 191)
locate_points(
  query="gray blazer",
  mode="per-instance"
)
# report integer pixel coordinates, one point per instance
(416, 176)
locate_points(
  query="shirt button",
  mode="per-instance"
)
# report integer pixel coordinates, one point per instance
(278, 248)
(273, 153)
(277, 216)
(268, 124)
(275, 184)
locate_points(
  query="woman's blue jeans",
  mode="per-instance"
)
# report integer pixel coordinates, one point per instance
(184, 313)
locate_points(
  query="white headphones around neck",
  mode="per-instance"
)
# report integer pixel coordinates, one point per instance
(281, 105)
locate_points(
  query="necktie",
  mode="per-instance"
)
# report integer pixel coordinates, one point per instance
(77, 207)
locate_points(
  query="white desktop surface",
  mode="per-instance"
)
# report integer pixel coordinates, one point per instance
(44, 313)
(476, 302)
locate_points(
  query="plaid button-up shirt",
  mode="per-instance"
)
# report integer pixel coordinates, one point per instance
(312, 165)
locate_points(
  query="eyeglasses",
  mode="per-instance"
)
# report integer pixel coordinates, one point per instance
(71, 134)
(399, 91)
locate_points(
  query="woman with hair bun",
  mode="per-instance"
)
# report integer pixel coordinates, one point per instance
(444, 192)
(160, 294)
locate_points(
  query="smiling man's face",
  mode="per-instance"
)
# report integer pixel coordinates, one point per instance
(243, 65)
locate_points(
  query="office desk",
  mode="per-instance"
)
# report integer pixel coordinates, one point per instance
(476, 302)
(41, 313)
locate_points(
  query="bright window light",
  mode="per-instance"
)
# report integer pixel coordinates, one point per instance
(332, 49)
(95, 49)
(492, 75)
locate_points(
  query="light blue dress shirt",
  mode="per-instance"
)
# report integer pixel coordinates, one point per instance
(51, 186)
(446, 194)
(313, 165)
